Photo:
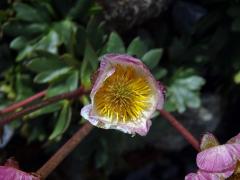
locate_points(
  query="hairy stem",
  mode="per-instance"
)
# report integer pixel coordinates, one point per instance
(51, 100)
(17, 105)
(64, 151)
(181, 129)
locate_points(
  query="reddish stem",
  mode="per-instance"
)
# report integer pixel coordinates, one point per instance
(44, 103)
(64, 151)
(181, 129)
(17, 105)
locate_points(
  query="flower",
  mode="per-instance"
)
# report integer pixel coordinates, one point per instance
(217, 162)
(10, 171)
(124, 95)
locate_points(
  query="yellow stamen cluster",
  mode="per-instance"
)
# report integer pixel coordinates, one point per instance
(124, 96)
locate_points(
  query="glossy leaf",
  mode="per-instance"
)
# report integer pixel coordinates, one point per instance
(137, 47)
(26, 12)
(45, 110)
(152, 57)
(41, 64)
(51, 75)
(70, 83)
(237, 78)
(88, 66)
(63, 122)
(115, 44)
(15, 28)
(18, 43)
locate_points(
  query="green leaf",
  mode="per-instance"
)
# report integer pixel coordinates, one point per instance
(65, 30)
(80, 9)
(89, 65)
(160, 73)
(15, 28)
(152, 57)
(51, 75)
(95, 33)
(66, 85)
(192, 83)
(18, 43)
(237, 78)
(27, 13)
(183, 92)
(115, 44)
(45, 110)
(137, 47)
(63, 122)
(49, 42)
(70, 60)
(40, 64)
(81, 37)
(23, 86)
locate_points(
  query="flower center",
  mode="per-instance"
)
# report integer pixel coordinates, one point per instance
(124, 96)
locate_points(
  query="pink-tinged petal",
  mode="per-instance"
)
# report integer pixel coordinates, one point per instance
(208, 141)
(122, 58)
(143, 130)
(86, 113)
(235, 150)
(227, 173)
(200, 175)
(10, 173)
(235, 139)
(210, 176)
(161, 95)
(216, 159)
(194, 176)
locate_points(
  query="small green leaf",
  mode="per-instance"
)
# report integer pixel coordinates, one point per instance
(95, 33)
(81, 37)
(70, 60)
(152, 57)
(26, 12)
(192, 82)
(115, 44)
(80, 9)
(18, 43)
(65, 30)
(49, 42)
(51, 75)
(184, 90)
(160, 73)
(15, 28)
(237, 78)
(45, 110)
(63, 122)
(23, 86)
(89, 65)
(137, 47)
(41, 64)
(70, 83)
